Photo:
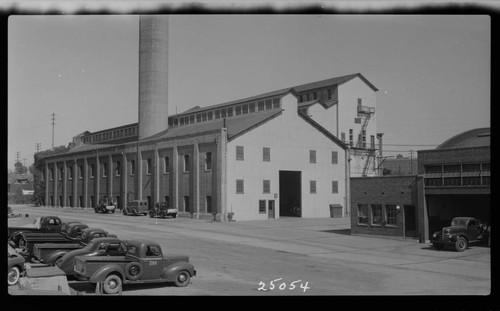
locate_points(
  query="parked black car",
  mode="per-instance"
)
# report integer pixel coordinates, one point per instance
(462, 232)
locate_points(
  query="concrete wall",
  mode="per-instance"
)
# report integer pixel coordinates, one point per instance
(289, 138)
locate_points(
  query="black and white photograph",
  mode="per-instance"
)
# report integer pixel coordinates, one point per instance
(310, 154)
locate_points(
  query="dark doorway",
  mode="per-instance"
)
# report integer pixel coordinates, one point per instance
(410, 221)
(290, 193)
(150, 204)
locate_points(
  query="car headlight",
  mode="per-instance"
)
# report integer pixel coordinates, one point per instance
(434, 234)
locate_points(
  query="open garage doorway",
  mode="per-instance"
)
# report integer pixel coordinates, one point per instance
(290, 193)
(443, 207)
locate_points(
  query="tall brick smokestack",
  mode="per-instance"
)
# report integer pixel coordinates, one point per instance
(153, 74)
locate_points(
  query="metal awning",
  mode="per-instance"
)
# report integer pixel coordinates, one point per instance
(451, 174)
(433, 175)
(471, 174)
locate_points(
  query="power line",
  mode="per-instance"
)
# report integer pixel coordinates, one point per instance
(38, 146)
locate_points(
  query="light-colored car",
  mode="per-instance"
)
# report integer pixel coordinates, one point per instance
(15, 265)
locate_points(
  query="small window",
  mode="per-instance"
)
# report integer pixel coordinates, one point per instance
(335, 186)
(262, 206)
(198, 117)
(132, 167)
(335, 157)
(186, 163)
(117, 168)
(244, 108)
(148, 167)
(251, 107)
(240, 186)
(191, 118)
(208, 161)
(238, 110)
(217, 114)
(70, 173)
(376, 214)
(166, 164)
(51, 174)
(230, 111)
(91, 173)
(312, 186)
(266, 186)
(186, 204)
(261, 105)
(390, 214)
(204, 116)
(329, 94)
(153, 251)
(240, 156)
(351, 134)
(210, 115)
(80, 171)
(363, 214)
(223, 113)
(60, 173)
(104, 169)
(266, 154)
(276, 102)
(342, 137)
(269, 104)
(208, 204)
(312, 156)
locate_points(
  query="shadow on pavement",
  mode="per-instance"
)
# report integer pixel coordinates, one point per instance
(339, 231)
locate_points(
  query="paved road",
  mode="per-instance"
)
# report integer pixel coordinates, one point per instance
(291, 256)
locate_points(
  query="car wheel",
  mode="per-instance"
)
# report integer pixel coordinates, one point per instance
(133, 271)
(13, 276)
(174, 215)
(461, 244)
(182, 279)
(112, 284)
(96, 211)
(438, 246)
(151, 214)
(125, 211)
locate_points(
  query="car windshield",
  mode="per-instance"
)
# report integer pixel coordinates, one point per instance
(459, 222)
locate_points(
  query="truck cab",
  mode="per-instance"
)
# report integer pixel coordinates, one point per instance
(136, 207)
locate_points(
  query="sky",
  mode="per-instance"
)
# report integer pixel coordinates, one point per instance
(432, 71)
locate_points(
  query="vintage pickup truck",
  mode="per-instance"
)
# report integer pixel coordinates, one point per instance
(28, 240)
(105, 246)
(462, 232)
(49, 253)
(144, 262)
(44, 224)
(161, 209)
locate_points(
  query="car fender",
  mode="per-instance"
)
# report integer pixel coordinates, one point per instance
(100, 274)
(54, 256)
(170, 272)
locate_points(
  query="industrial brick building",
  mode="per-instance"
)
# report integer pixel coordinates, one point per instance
(453, 180)
(288, 152)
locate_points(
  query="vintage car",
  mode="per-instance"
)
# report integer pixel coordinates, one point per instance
(15, 265)
(106, 246)
(161, 209)
(49, 253)
(136, 207)
(44, 224)
(106, 205)
(144, 262)
(462, 232)
(28, 240)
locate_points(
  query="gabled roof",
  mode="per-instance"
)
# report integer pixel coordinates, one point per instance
(322, 129)
(235, 126)
(332, 81)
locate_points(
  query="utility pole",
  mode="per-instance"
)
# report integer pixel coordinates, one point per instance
(53, 123)
(18, 155)
(411, 161)
(38, 146)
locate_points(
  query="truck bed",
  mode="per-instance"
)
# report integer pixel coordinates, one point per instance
(35, 237)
